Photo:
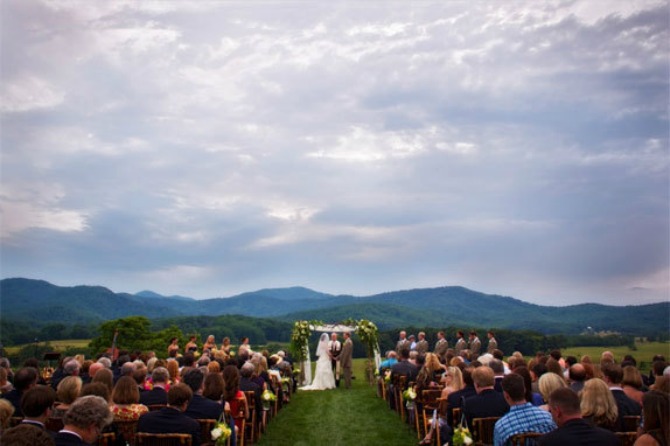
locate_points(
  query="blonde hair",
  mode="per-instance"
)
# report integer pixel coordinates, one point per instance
(6, 412)
(598, 403)
(68, 389)
(456, 378)
(549, 382)
(631, 377)
(432, 363)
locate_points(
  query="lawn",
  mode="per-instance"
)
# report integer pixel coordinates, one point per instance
(60, 345)
(644, 352)
(338, 417)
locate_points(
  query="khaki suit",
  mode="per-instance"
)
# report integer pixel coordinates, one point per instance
(422, 347)
(441, 348)
(493, 344)
(346, 361)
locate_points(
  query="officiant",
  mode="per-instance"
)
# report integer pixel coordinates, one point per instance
(335, 348)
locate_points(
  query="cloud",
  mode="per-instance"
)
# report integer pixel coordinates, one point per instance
(213, 148)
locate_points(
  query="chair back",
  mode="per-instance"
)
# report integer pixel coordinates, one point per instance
(106, 439)
(127, 429)
(253, 428)
(525, 439)
(154, 407)
(631, 423)
(483, 430)
(146, 439)
(455, 416)
(206, 426)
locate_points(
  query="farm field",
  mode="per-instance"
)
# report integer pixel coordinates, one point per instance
(644, 352)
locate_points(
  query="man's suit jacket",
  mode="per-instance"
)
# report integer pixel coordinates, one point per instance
(475, 347)
(14, 397)
(455, 399)
(493, 344)
(460, 345)
(201, 407)
(488, 403)
(169, 420)
(441, 347)
(405, 368)
(347, 354)
(578, 433)
(157, 395)
(402, 343)
(68, 439)
(421, 346)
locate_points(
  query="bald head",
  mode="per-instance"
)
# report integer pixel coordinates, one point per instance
(577, 373)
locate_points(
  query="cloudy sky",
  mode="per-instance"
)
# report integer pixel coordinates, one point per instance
(211, 148)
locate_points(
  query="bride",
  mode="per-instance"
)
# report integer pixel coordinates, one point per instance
(323, 377)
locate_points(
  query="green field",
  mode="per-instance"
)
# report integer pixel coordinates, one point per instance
(59, 345)
(643, 354)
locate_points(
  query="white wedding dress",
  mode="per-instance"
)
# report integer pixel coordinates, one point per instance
(323, 377)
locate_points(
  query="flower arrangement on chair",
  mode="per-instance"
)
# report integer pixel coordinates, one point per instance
(220, 433)
(268, 398)
(409, 395)
(462, 436)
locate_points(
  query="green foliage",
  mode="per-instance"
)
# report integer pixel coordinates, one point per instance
(134, 334)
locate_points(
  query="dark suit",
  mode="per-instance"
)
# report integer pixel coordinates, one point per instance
(68, 439)
(157, 395)
(488, 403)
(247, 385)
(626, 407)
(14, 397)
(201, 407)
(169, 420)
(405, 368)
(455, 399)
(578, 433)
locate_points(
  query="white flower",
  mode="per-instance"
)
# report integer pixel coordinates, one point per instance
(467, 440)
(216, 433)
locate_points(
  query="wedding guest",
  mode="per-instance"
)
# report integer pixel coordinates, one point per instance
(214, 387)
(67, 392)
(598, 405)
(632, 383)
(612, 375)
(547, 384)
(6, 412)
(5, 385)
(27, 435)
(234, 396)
(391, 358)
(577, 376)
(171, 419)
(487, 402)
(403, 342)
(106, 377)
(36, 405)
(158, 394)
(85, 419)
(248, 385)
(200, 407)
(532, 397)
(173, 369)
(404, 367)
(24, 379)
(126, 400)
(656, 416)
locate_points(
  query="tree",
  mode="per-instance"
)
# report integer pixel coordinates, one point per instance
(134, 334)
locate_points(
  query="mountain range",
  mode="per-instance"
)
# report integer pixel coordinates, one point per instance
(40, 302)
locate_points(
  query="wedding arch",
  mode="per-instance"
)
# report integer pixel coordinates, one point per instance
(367, 333)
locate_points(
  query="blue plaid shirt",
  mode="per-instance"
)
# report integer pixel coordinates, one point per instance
(522, 418)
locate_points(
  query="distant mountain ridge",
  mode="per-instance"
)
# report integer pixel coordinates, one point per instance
(41, 302)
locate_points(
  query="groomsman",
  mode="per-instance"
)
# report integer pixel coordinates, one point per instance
(493, 344)
(460, 342)
(441, 346)
(402, 342)
(475, 345)
(346, 359)
(422, 344)
(335, 348)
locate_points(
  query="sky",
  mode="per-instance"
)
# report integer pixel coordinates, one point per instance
(210, 148)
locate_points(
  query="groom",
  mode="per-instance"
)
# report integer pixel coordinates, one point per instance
(346, 359)
(335, 348)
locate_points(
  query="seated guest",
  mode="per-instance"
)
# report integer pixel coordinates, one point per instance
(213, 387)
(234, 396)
(5, 385)
(522, 415)
(36, 405)
(532, 397)
(67, 392)
(656, 416)
(487, 402)
(547, 383)
(632, 383)
(126, 400)
(572, 429)
(577, 377)
(6, 412)
(199, 406)
(84, 421)
(27, 435)
(171, 419)
(158, 395)
(248, 385)
(456, 398)
(24, 379)
(391, 358)
(598, 405)
(173, 369)
(403, 367)
(613, 375)
(106, 377)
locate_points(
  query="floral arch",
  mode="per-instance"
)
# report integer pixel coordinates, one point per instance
(366, 331)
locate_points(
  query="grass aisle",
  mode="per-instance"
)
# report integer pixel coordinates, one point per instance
(338, 417)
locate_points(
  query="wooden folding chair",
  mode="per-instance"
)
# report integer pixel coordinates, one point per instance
(146, 439)
(626, 438)
(430, 400)
(206, 426)
(106, 439)
(524, 439)
(631, 423)
(483, 430)
(127, 429)
(241, 422)
(455, 416)
(252, 422)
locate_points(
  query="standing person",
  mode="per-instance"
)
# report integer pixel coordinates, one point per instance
(493, 344)
(346, 360)
(323, 376)
(475, 345)
(335, 348)
(402, 342)
(572, 428)
(173, 348)
(191, 346)
(460, 342)
(421, 344)
(441, 346)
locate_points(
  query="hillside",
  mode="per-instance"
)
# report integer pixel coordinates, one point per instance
(39, 303)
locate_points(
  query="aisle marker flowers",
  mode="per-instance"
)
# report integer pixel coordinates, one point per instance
(220, 433)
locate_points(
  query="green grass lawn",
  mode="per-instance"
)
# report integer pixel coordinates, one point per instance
(644, 353)
(59, 345)
(338, 417)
